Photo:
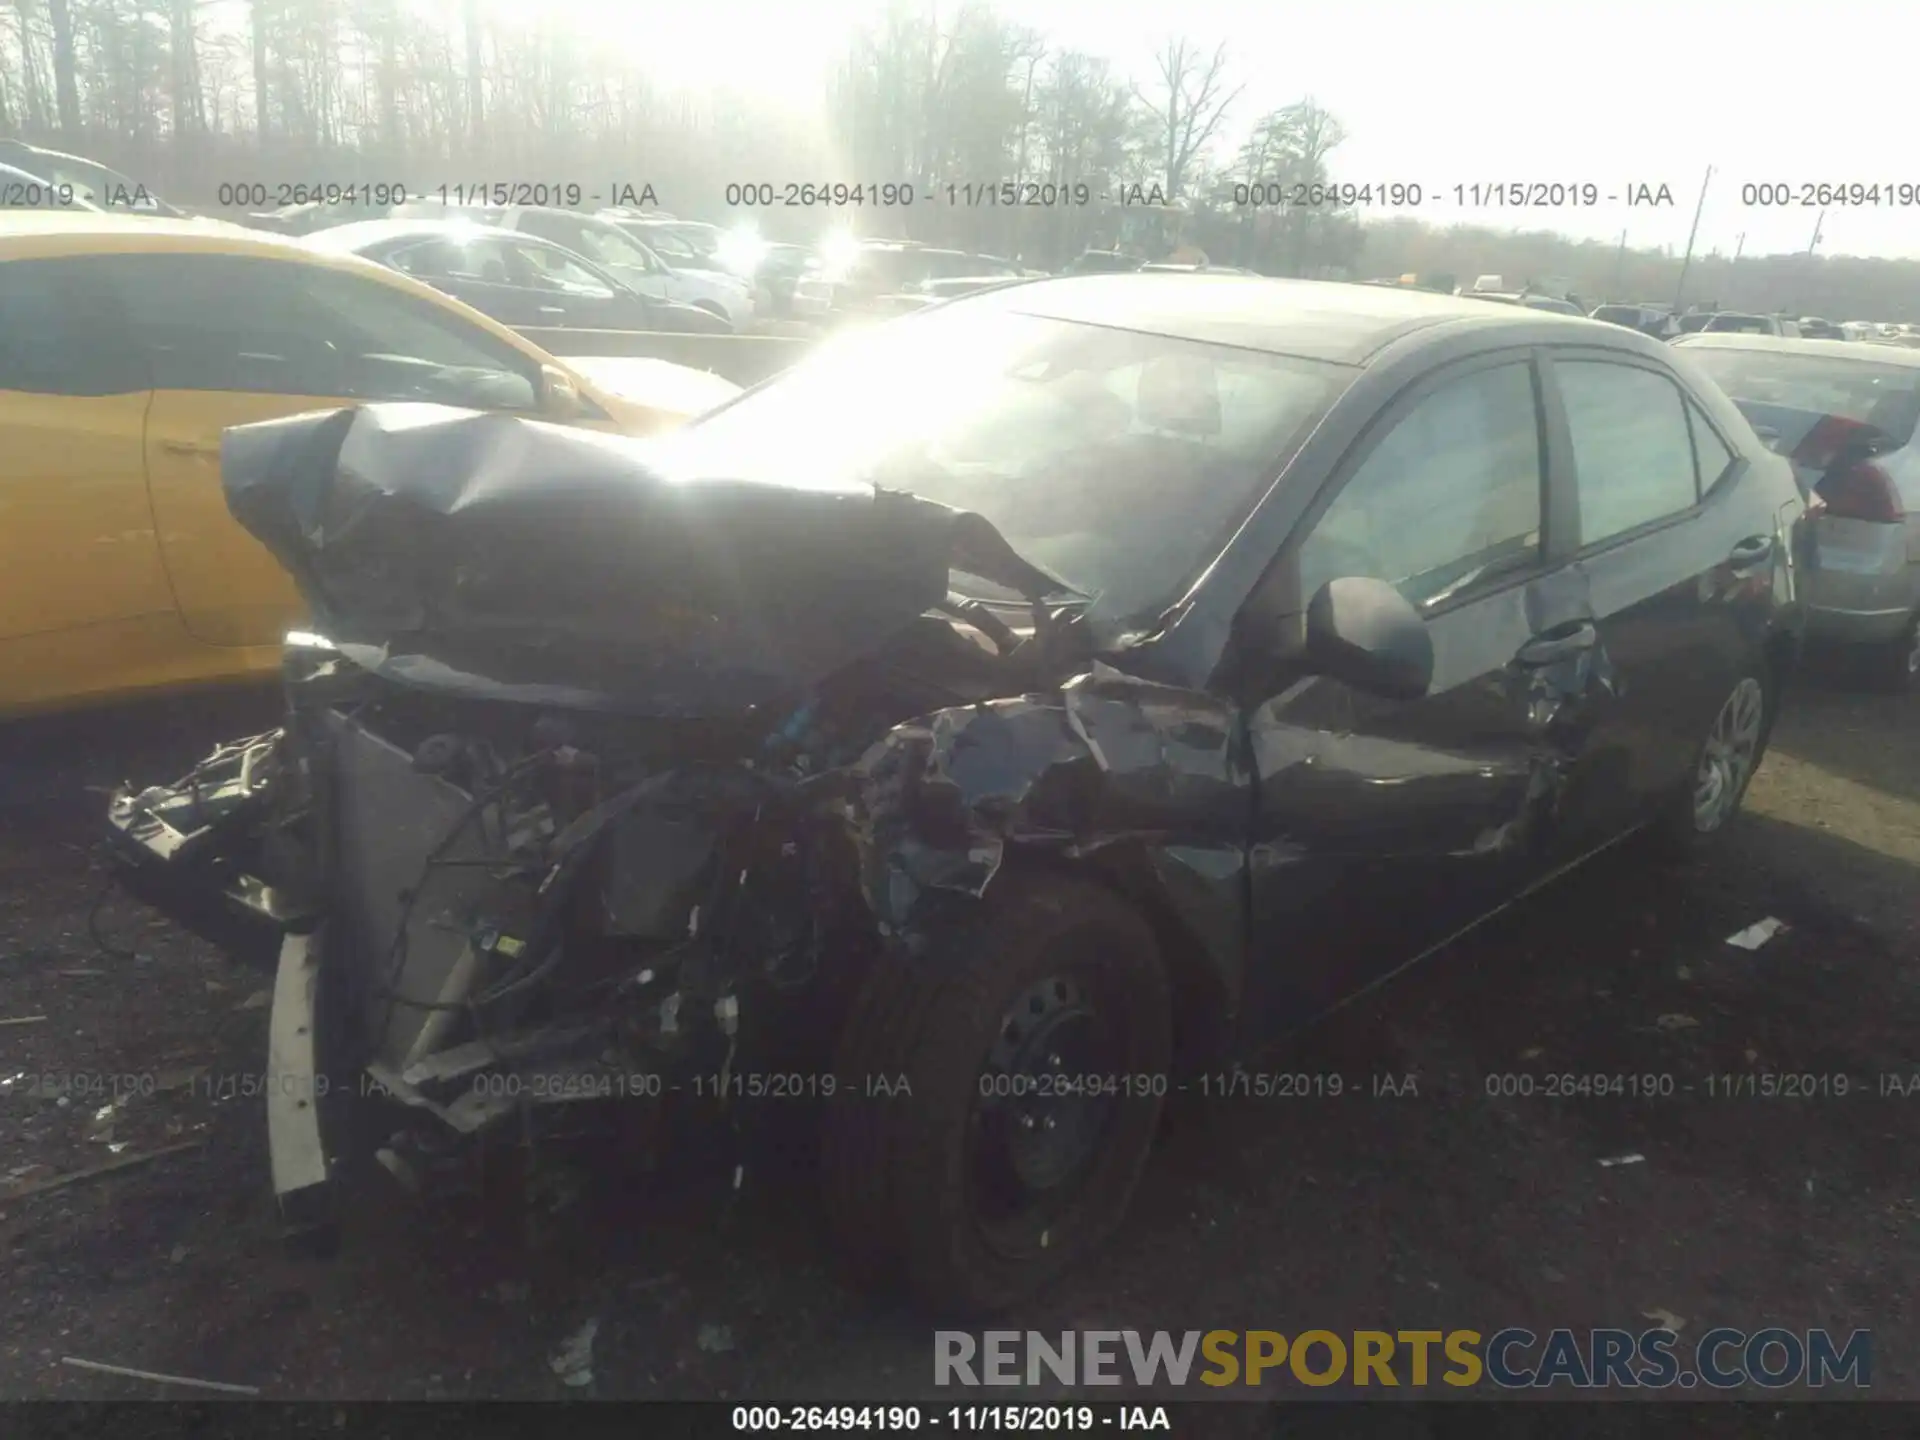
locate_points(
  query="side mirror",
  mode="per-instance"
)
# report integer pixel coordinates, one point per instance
(1367, 634)
(559, 395)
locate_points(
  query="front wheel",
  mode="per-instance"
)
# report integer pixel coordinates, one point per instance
(1006, 1090)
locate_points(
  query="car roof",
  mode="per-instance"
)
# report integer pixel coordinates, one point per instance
(18, 176)
(362, 233)
(49, 232)
(1311, 319)
(1828, 349)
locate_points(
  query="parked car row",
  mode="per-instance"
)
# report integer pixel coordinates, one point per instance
(129, 344)
(33, 177)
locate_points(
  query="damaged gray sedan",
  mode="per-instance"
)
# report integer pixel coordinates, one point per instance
(972, 733)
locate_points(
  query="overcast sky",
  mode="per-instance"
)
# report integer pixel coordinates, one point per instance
(1476, 91)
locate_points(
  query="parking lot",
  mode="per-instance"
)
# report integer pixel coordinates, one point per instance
(1450, 1208)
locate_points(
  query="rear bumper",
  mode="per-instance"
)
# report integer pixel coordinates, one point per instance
(1856, 627)
(1860, 587)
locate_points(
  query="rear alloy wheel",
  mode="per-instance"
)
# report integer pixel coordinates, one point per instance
(1734, 746)
(1036, 1041)
(1730, 756)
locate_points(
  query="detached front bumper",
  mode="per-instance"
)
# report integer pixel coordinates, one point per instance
(303, 1179)
(192, 849)
(392, 896)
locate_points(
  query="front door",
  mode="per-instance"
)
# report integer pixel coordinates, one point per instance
(231, 340)
(1382, 827)
(80, 571)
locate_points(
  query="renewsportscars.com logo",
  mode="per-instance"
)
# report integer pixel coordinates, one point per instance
(1510, 1359)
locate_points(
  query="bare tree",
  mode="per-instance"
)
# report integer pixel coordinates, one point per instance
(1191, 99)
(33, 106)
(476, 85)
(257, 17)
(66, 87)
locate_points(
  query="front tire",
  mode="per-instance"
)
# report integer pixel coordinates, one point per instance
(1035, 1041)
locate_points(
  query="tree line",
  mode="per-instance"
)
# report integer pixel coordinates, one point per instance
(191, 95)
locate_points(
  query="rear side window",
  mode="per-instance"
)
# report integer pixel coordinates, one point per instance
(1632, 446)
(60, 332)
(1711, 456)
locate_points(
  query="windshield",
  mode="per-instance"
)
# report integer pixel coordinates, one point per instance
(1792, 392)
(1120, 461)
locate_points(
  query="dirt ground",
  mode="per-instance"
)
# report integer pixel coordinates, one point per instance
(1447, 1209)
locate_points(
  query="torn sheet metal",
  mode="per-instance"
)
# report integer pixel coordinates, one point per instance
(500, 557)
(1137, 774)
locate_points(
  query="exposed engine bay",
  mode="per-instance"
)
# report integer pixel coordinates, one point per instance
(497, 905)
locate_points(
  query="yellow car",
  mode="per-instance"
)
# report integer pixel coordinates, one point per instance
(127, 344)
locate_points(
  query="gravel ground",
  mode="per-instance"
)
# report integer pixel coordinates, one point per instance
(1444, 1209)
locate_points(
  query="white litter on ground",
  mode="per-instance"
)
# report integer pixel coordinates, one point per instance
(1757, 934)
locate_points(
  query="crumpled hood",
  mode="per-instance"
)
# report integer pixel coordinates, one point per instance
(507, 558)
(656, 384)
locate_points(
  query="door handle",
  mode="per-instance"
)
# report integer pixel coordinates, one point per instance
(551, 310)
(1550, 649)
(1750, 551)
(190, 447)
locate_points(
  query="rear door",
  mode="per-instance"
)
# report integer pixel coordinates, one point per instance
(78, 556)
(635, 267)
(232, 339)
(571, 295)
(475, 272)
(1679, 558)
(1382, 827)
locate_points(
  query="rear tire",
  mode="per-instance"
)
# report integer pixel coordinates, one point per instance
(1723, 767)
(973, 1186)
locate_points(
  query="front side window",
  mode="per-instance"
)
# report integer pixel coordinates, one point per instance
(1120, 461)
(1632, 448)
(218, 322)
(1449, 498)
(60, 334)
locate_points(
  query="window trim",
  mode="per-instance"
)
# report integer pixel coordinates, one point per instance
(394, 298)
(1555, 399)
(1383, 423)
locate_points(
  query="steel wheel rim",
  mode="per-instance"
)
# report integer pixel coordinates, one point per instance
(1029, 1158)
(1726, 763)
